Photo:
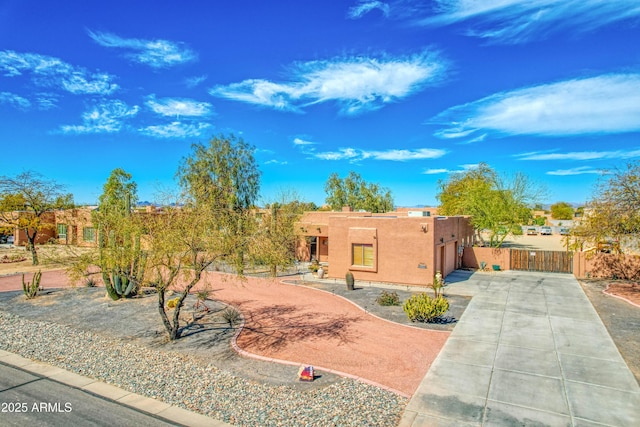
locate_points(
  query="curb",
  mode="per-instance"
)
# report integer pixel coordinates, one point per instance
(619, 297)
(140, 403)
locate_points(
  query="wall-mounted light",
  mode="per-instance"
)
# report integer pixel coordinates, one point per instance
(423, 228)
(442, 240)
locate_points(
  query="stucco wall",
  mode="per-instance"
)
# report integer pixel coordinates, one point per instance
(407, 250)
(472, 257)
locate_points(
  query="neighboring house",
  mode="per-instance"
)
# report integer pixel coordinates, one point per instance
(74, 227)
(407, 246)
(45, 233)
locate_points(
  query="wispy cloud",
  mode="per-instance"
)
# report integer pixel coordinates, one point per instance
(355, 154)
(47, 71)
(517, 21)
(14, 100)
(47, 100)
(356, 84)
(302, 142)
(581, 155)
(275, 162)
(192, 82)
(435, 171)
(604, 104)
(178, 107)
(364, 6)
(175, 130)
(576, 171)
(107, 117)
(439, 171)
(153, 53)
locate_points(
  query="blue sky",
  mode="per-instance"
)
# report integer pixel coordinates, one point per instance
(402, 92)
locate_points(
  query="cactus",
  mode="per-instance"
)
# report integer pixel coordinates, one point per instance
(350, 280)
(31, 289)
(123, 279)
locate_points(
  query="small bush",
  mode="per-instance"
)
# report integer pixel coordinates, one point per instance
(423, 308)
(91, 283)
(388, 298)
(173, 303)
(231, 315)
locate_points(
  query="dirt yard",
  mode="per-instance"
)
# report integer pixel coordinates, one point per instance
(286, 322)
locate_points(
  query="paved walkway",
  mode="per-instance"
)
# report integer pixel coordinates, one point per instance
(530, 350)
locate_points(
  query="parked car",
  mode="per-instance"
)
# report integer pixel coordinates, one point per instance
(531, 231)
(565, 231)
(546, 231)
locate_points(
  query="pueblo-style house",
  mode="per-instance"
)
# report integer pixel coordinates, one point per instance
(406, 246)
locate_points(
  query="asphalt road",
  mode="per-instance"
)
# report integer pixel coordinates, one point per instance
(29, 399)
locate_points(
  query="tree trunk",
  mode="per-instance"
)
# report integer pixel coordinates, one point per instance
(31, 246)
(163, 314)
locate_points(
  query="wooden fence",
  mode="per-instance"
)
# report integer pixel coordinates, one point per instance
(535, 260)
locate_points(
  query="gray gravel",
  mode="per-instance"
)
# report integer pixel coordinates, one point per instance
(193, 383)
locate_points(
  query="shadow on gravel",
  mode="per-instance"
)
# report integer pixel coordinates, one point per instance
(280, 325)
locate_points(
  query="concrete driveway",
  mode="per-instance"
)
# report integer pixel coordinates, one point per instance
(529, 350)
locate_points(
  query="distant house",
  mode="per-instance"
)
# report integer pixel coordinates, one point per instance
(406, 246)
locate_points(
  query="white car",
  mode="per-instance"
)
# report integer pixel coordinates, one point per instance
(545, 231)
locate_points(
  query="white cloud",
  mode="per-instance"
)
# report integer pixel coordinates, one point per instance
(364, 6)
(299, 142)
(463, 168)
(576, 171)
(47, 71)
(178, 107)
(581, 155)
(355, 154)
(604, 104)
(154, 53)
(517, 21)
(14, 100)
(275, 162)
(435, 171)
(107, 117)
(356, 84)
(175, 130)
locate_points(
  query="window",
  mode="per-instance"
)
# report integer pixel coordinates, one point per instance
(362, 255)
(62, 231)
(89, 234)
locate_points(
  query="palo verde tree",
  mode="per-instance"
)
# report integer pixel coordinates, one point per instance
(274, 241)
(356, 193)
(209, 222)
(120, 256)
(25, 199)
(614, 211)
(497, 205)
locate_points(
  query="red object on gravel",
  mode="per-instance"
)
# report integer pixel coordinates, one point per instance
(308, 327)
(311, 327)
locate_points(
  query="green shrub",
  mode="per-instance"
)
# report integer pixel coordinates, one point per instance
(231, 315)
(173, 303)
(423, 308)
(91, 283)
(388, 298)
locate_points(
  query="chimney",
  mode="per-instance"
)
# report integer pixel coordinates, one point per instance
(347, 209)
